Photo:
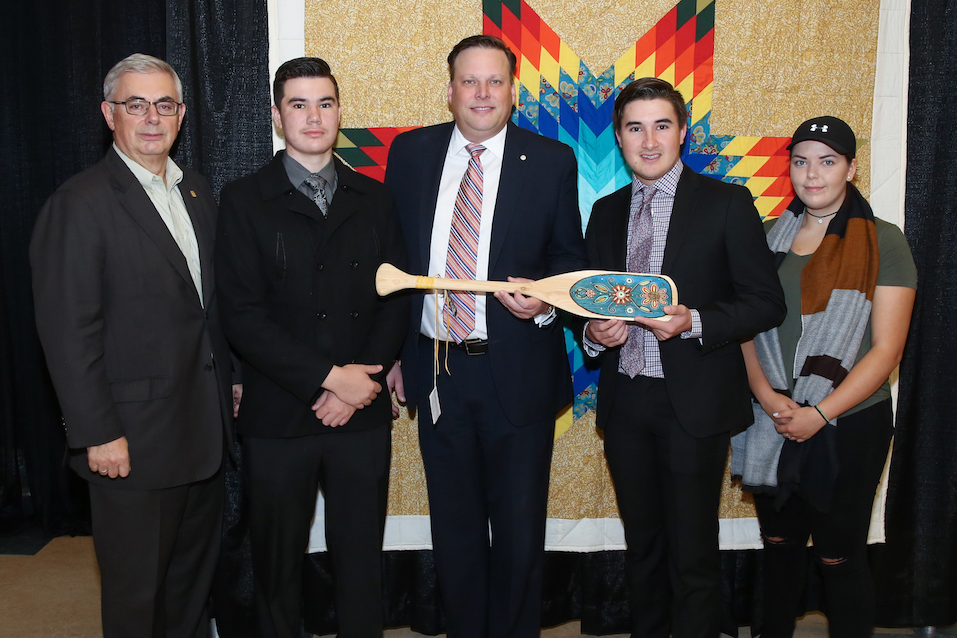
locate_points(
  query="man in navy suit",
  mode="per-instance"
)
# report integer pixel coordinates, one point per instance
(481, 198)
(670, 392)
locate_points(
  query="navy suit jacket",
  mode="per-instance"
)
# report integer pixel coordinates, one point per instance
(717, 256)
(536, 232)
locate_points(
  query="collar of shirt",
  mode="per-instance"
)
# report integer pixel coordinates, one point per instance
(494, 144)
(148, 179)
(297, 174)
(667, 183)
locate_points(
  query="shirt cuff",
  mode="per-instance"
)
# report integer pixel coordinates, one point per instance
(695, 332)
(591, 348)
(545, 318)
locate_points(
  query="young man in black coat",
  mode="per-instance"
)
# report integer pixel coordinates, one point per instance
(298, 245)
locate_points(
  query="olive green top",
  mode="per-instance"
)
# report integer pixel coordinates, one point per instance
(896, 269)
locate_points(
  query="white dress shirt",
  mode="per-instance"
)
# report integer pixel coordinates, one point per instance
(456, 163)
(172, 210)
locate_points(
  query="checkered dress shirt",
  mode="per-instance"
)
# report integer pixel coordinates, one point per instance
(661, 206)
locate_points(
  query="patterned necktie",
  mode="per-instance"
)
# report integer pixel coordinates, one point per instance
(641, 230)
(318, 185)
(460, 263)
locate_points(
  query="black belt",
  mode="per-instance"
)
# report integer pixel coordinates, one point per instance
(473, 347)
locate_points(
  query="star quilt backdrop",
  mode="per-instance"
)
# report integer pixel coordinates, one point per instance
(561, 98)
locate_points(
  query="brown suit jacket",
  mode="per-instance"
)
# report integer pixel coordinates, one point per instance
(131, 350)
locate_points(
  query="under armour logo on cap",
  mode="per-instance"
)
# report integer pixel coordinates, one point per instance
(829, 130)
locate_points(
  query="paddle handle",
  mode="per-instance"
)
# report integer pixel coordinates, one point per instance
(389, 279)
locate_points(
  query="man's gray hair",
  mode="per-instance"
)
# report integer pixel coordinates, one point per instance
(138, 63)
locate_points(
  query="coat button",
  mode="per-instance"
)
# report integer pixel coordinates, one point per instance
(208, 367)
(320, 267)
(321, 315)
(354, 314)
(354, 264)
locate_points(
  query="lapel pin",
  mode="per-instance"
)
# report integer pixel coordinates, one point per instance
(193, 193)
(521, 157)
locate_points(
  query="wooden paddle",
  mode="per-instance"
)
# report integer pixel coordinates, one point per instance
(596, 294)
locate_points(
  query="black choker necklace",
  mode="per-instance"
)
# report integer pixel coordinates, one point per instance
(820, 218)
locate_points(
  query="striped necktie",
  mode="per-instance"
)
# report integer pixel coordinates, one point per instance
(459, 312)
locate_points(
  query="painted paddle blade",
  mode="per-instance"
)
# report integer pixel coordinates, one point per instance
(623, 295)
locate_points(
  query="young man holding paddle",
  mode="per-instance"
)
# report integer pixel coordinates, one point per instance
(670, 392)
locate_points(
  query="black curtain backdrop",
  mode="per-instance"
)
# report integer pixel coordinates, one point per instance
(916, 571)
(56, 54)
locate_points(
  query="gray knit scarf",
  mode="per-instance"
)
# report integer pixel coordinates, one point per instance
(837, 290)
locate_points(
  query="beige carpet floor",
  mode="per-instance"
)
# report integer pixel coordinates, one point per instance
(56, 594)
(53, 594)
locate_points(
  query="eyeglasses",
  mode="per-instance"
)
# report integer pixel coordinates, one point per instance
(140, 107)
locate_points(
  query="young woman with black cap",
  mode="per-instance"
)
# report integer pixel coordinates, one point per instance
(823, 418)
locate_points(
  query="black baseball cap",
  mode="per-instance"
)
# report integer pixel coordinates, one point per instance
(830, 130)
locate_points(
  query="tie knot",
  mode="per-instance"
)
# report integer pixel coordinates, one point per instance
(646, 194)
(475, 149)
(316, 181)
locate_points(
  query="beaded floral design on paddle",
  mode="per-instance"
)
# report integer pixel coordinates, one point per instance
(625, 296)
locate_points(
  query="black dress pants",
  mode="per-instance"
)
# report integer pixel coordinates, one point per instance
(668, 485)
(157, 551)
(284, 479)
(485, 477)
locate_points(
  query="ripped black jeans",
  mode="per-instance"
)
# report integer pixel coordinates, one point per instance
(839, 536)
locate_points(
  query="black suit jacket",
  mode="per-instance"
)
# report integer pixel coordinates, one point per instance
(130, 349)
(717, 255)
(536, 232)
(298, 294)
